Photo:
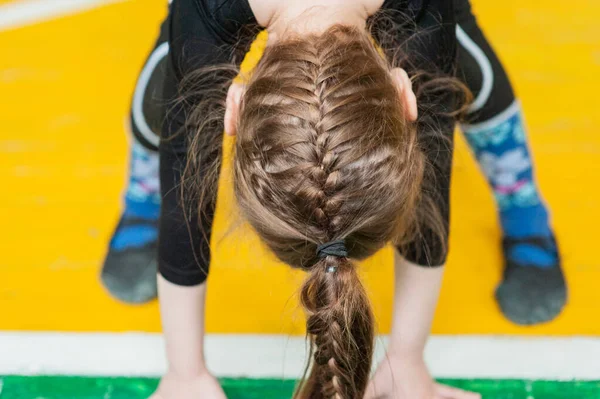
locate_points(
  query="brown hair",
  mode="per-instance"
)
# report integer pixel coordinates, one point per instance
(324, 152)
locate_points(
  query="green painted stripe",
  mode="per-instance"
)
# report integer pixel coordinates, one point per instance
(50, 387)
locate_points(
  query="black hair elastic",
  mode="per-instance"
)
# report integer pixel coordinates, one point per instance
(332, 248)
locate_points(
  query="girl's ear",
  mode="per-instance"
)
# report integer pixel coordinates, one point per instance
(232, 107)
(407, 95)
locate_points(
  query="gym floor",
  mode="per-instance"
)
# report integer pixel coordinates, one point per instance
(67, 73)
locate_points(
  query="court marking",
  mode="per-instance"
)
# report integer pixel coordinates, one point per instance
(27, 12)
(280, 356)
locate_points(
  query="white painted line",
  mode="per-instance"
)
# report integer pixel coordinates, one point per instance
(279, 356)
(27, 12)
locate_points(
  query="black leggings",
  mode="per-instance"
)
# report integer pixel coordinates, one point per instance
(480, 68)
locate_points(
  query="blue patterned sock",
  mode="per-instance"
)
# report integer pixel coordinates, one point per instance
(500, 146)
(138, 225)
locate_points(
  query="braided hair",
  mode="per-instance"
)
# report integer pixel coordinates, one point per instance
(325, 153)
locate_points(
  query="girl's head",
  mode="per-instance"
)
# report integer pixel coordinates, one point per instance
(327, 150)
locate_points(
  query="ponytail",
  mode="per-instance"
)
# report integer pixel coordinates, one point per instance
(339, 327)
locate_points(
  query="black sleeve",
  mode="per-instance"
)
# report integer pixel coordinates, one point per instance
(428, 43)
(202, 33)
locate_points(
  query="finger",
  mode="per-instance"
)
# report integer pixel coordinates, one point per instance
(447, 392)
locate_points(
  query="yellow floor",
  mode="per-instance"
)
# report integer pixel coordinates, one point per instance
(66, 86)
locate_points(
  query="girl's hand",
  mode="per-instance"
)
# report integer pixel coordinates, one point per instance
(204, 386)
(407, 377)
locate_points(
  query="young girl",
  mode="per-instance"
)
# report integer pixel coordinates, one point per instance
(337, 154)
(533, 288)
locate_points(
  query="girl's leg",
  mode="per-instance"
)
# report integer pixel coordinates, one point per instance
(129, 271)
(533, 289)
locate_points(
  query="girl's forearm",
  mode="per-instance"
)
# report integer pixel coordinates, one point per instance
(182, 316)
(416, 292)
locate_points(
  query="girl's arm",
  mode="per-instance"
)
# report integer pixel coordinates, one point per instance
(416, 293)
(203, 34)
(182, 315)
(403, 373)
